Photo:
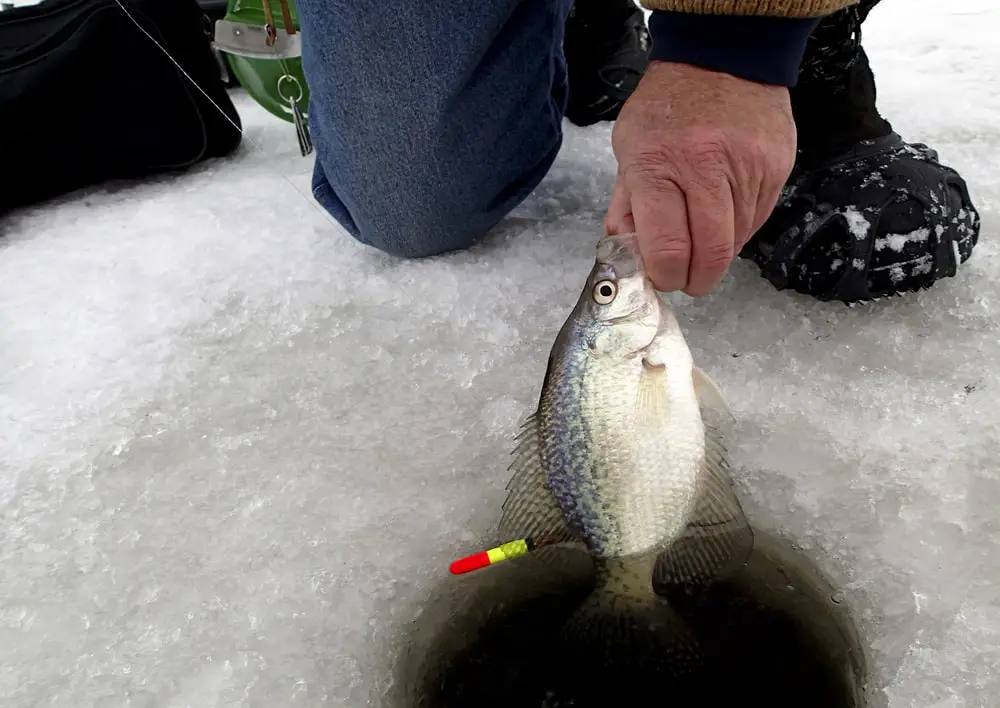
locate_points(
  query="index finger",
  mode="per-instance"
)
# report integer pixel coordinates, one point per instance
(659, 209)
(619, 219)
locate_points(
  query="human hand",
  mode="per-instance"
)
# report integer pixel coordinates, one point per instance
(702, 158)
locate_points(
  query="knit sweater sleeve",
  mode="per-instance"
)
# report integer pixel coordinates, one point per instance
(759, 8)
(759, 40)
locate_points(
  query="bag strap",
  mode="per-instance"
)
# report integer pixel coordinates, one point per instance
(286, 20)
(286, 17)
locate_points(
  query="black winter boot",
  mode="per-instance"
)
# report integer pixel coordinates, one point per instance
(607, 50)
(864, 214)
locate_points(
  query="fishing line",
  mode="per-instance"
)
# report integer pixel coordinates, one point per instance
(229, 120)
(329, 219)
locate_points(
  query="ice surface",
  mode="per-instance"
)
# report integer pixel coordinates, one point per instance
(236, 447)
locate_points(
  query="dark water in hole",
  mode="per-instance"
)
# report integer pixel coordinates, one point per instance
(773, 634)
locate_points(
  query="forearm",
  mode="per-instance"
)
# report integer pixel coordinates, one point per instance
(761, 41)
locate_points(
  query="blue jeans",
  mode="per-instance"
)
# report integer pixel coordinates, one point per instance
(431, 120)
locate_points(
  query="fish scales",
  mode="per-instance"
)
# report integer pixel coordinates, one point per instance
(617, 457)
(624, 476)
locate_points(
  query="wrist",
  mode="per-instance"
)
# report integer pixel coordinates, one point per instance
(767, 50)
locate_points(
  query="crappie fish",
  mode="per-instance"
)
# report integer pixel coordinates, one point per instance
(617, 456)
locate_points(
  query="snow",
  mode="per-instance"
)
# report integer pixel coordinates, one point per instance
(856, 222)
(897, 242)
(237, 449)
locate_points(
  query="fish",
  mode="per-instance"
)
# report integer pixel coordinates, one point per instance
(618, 457)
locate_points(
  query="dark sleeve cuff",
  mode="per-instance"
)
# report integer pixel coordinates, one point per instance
(768, 50)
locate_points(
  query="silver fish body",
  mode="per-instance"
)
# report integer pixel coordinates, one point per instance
(617, 456)
(622, 439)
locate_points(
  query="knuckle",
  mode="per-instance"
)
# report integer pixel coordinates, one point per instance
(709, 158)
(656, 166)
(670, 251)
(713, 151)
(698, 164)
(717, 256)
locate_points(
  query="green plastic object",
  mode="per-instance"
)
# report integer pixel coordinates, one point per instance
(259, 77)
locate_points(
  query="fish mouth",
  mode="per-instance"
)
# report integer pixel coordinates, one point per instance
(641, 310)
(620, 252)
(624, 318)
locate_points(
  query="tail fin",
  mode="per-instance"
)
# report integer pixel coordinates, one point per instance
(623, 627)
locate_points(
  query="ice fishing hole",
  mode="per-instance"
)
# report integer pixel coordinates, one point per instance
(777, 634)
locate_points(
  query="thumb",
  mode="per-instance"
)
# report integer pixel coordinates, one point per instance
(619, 217)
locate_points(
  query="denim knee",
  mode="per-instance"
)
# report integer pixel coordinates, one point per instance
(436, 213)
(431, 122)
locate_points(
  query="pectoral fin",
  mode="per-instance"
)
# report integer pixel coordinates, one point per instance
(709, 393)
(652, 403)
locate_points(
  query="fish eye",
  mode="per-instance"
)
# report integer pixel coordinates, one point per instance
(605, 291)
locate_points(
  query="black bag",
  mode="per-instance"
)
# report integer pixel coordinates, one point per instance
(86, 96)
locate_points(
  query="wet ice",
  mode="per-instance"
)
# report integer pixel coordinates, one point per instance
(237, 448)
